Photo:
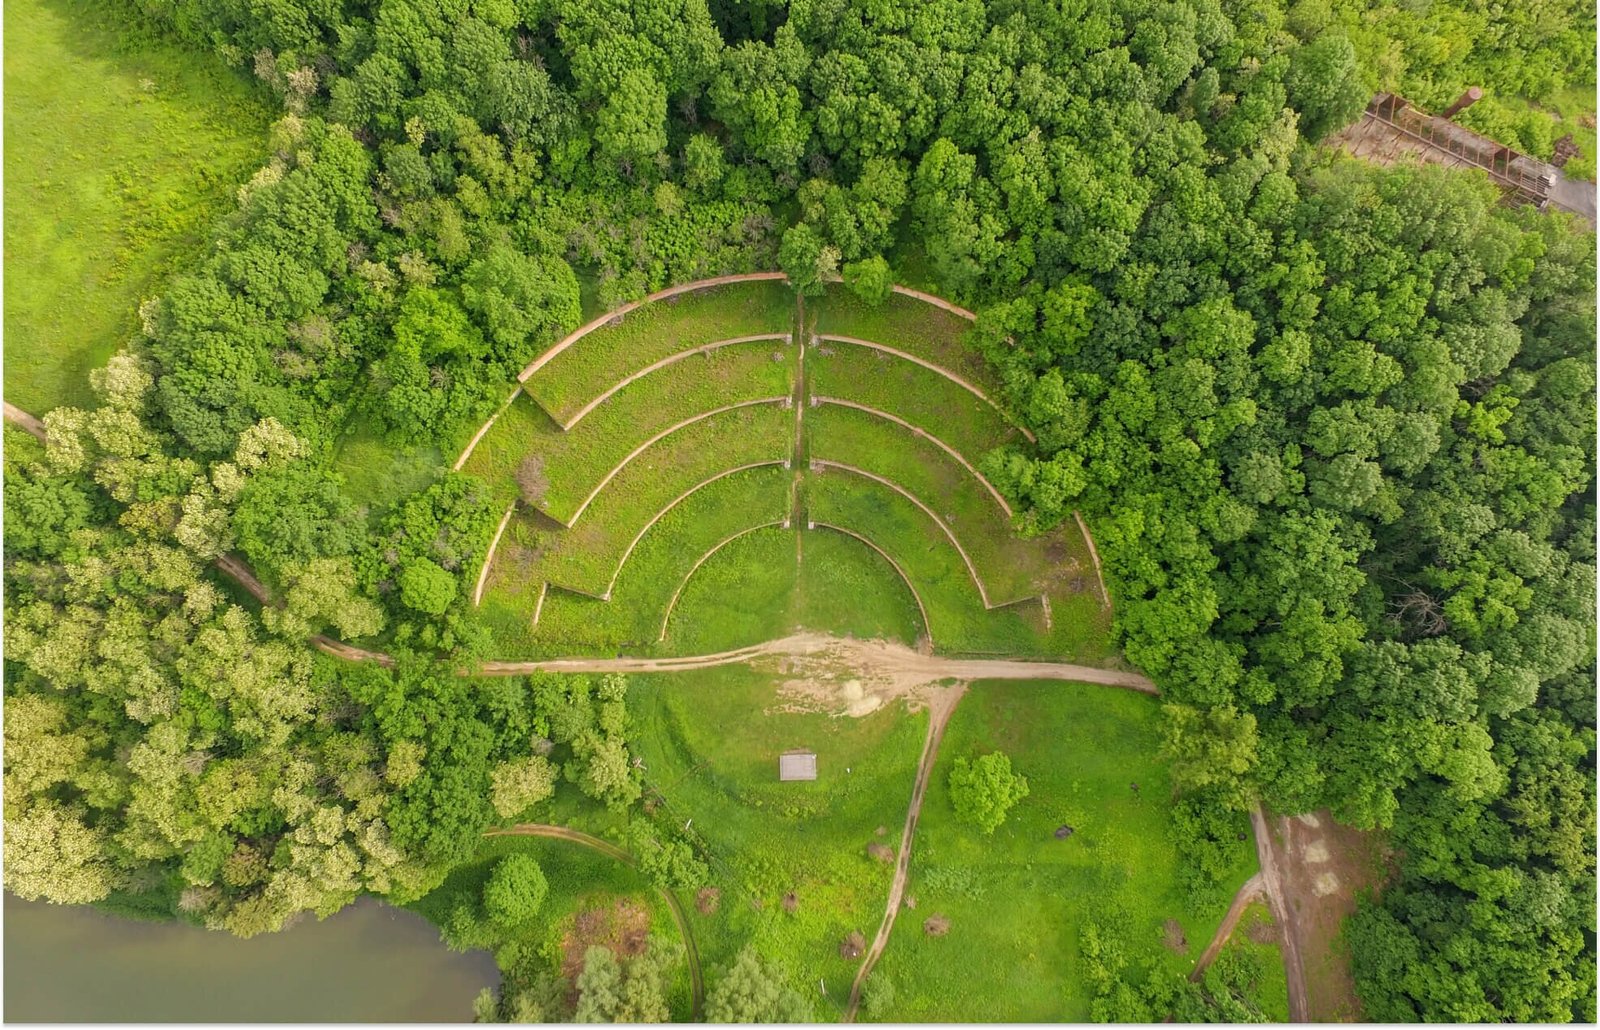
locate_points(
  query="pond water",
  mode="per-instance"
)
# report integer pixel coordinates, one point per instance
(369, 963)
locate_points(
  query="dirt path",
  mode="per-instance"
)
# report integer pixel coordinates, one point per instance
(18, 417)
(940, 707)
(1248, 893)
(605, 847)
(876, 657)
(1272, 886)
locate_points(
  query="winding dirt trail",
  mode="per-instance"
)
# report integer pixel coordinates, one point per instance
(1247, 893)
(605, 847)
(940, 707)
(1272, 886)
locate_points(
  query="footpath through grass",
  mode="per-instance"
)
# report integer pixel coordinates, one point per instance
(789, 862)
(121, 149)
(1017, 900)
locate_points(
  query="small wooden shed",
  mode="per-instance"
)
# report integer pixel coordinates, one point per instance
(799, 764)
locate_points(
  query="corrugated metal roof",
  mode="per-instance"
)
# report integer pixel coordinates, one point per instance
(797, 765)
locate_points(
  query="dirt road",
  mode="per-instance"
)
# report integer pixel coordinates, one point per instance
(605, 847)
(940, 707)
(1272, 886)
(875, 656)
(1248, 893)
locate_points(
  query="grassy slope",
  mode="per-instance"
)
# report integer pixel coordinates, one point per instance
(923, 398)
(710, 741)
(576, 460)
(1016, 900)
(586, 369)
(1010, 566)
(769, 584)
(1272, 990)
(120, 151)
(586, 555)
(906, 324)
(572, 624)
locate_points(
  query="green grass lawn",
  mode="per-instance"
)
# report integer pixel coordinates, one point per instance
(710, 741)
(1011, 567)
(907, 324)
(575, 461)
(959, 621)
(1255, 942)
(593, 364)
(921, 397)
(379, 475)
(121, 149)
(1016, 900)
(586, 556)
(773, 582)
(631, 620)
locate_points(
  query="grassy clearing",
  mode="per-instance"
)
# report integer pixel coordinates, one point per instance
(379, 475)
(710, 742)
(631, 620)
(913, 326)
(1016, 900)
(121, 150)
(956, 612)
(580, 879)
(922, 397)
(1255, 943)
(592, 365)
(586, 556)
(576, 461)
(1011, 567)
(774, 582)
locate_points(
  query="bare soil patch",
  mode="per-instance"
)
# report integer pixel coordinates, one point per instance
(622, 926)
(707, 900)
(853, 946)
(791, 901)
(1324, 866)
(1173, 937)
(936, 925)
(882, 852)
(1263, 931)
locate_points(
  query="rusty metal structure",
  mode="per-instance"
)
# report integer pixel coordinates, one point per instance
(1442, 141)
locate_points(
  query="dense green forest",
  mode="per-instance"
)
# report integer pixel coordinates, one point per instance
(1333, 424)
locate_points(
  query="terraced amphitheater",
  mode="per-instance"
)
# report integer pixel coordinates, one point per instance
(728, 463)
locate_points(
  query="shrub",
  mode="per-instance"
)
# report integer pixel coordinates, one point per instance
(425, 587)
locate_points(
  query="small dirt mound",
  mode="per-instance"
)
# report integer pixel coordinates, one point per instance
(1263, 932)
(1173, 937)
(882, 852)
(880, 831)
(790, 902)
(853, 946)
(936, 925)
(1064, 831)
(707, 900)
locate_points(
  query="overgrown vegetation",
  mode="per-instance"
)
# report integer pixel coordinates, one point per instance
(1333, 426)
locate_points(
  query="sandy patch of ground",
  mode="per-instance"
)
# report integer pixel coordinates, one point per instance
(1323, 867)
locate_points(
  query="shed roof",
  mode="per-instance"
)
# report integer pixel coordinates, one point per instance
(797, 765)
